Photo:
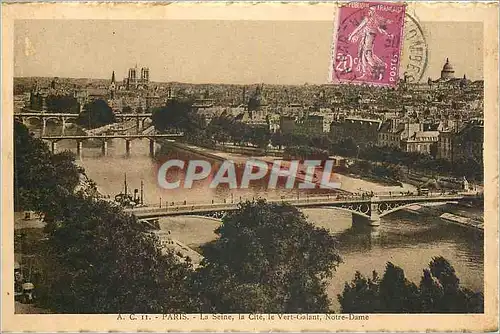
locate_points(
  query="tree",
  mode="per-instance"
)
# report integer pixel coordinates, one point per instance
(361, 295)
(454, 299)
(439, 291)
(176, 114)
(278, 140)
(259, 136)
(97, 259)
(41, 179)
(253, 103)
(127, 110)
(106, 262)
(62, 104)
(396, 293)
(305, 152)
(346, 147)
(268, 258)
(96, 114)
(220, 128)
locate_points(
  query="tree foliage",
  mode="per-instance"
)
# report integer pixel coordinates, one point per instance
(127, 110)
(225, 128)
(107, 263)
(179, 115)
(96, 114)
(439, 291)
(62, 104)
(176, 114)
(99, 260)
(305, 152)
(41, 179)
(267, 258)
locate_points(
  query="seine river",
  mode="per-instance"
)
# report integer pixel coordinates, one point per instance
(406, 239)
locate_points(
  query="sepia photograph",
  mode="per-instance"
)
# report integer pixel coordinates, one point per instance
(321, 171)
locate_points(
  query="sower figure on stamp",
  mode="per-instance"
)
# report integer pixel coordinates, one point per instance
(366, 32)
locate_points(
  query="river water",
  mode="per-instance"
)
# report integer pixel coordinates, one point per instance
(406, 239)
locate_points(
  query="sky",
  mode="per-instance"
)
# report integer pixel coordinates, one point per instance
(237, 52)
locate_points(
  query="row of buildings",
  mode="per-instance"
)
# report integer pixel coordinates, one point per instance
(451, 140)
(440, 117)
(443, 118)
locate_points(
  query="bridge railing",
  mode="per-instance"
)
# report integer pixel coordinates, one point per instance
(290, 199)
(304, 200)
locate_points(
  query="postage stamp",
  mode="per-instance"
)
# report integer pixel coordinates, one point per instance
(206, 167)
(368, 43)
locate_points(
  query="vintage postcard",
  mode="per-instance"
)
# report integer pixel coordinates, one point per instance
(250, 167)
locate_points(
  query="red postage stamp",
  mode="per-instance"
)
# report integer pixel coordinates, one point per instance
(368, 43)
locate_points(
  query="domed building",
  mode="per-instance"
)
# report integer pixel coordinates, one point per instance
(447, 72)
(448, 79)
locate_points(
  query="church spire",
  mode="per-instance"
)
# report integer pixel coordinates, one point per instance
(113, 77)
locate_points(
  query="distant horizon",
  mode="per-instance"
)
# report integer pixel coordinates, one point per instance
(218, 83)
(214, 52)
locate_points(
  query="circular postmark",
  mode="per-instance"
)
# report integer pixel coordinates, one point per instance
(415, 53)
(378, 44)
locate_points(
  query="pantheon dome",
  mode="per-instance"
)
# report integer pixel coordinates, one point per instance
(447, 72)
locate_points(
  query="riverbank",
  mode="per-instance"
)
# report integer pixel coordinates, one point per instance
(348, 183)
(451, 213)
(373, 178)
(249, 150)
(196, 150)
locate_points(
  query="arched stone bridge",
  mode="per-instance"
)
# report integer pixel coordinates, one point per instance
(370, 209)
(104, 138)
(63, 118)
(58, 118)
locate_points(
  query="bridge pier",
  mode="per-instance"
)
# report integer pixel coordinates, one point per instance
(365, 221)
(374, 221)
(44, 125)
(63, 121)
(152, 147)
(104, 148)
(53, 146)
(139, 125)
(374, 213)
(79, 149)
(127, 147)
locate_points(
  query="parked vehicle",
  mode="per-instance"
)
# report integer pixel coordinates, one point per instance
(28, 293)
(423, 192)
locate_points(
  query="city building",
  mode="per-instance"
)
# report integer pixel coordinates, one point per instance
(137, 79)
(337, 130)
(390, 134)
(468, 142)
(445, 145)
(311, 124)
(448, 80)
(287, 124)
(363, 130)
(424, 142)
(464, 143)
(447, 72)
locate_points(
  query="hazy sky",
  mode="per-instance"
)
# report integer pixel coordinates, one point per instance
(274, 52)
